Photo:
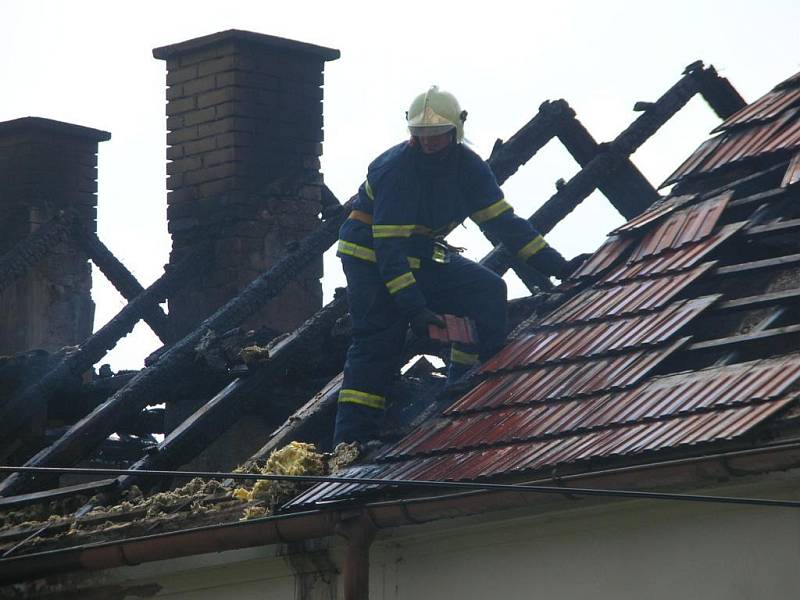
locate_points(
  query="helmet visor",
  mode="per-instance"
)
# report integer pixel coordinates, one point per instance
(429, 130)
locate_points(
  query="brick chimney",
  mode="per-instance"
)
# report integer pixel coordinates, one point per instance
(47, 166)
(244, 121)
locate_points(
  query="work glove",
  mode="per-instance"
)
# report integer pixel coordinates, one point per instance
(572, 265)
(421, 320)
(549, 261)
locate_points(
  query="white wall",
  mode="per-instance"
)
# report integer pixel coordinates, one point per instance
(631, 550)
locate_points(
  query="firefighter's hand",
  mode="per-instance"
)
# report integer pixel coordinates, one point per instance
(573, 265)
(425, 317)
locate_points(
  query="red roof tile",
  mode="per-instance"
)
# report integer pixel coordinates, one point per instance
(580, 341)
(672, 260)
(682, 227)
(658, 398)
(625, 298)
(563, 380)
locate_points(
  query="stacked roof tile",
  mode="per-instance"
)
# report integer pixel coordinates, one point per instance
(769, 126)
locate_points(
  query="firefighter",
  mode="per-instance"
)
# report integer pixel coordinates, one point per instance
(399, 269)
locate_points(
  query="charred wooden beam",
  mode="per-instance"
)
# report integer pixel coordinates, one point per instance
(767, 337)
(305, 423)
(758, 265)
(626, 188)
(34, 248)
(151, 382)
(80, 489)
(784, 297)
(719, 93)
(21, 406)
(507, 157)
(603, 164)
(121, 278)
(780, 227)
(150, 420)
(223, 410)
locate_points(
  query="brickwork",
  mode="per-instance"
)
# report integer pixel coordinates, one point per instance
(46, 166)
(244, 121)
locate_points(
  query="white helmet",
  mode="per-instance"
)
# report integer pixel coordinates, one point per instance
(435, 112)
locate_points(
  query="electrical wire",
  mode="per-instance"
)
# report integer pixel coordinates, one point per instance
(475, 486)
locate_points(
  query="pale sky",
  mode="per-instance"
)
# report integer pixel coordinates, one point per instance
(90, 63)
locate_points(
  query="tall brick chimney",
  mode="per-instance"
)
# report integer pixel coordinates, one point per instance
(244, 121)
(47, 166)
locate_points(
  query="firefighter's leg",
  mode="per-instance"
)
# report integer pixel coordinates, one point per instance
(373, 357)
(467, 289)
(462, 359)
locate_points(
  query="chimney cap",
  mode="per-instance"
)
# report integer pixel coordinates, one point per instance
(52, 126)
(238, 35)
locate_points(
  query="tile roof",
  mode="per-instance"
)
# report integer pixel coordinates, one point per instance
(768, 126)
(592, 380)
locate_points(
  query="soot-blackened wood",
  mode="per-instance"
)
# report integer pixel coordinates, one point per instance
(719, 93)
(34, 248)
(305, 423)
(602, 165)
(21, 406)
(626, 188)
(767, 335)
(213, 418)
(507, 157)
(152, 382)
(758, 265)
(784, 297)
(79, 489)
(121, 278)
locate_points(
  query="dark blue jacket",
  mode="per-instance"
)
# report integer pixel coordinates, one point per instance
(413, 199)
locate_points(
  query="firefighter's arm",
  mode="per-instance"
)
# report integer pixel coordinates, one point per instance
(497, 221)
(393, 224)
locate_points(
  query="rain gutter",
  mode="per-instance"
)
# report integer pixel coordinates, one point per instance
(359, 523)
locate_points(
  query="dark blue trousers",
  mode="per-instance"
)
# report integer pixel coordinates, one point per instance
(460, 287)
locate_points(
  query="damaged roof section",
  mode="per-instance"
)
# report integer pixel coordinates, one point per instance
(611, 342)
(677, 337)
(766, 129)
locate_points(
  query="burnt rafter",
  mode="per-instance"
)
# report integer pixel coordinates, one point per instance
(21, 406)
(218, 414)
(153, 381)
(121, 278)
(628, 191)
(615, 153)
(65, 228)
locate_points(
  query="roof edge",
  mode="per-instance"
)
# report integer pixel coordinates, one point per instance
(239, 35)
(321, 523)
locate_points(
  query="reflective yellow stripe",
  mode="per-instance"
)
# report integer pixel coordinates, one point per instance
(491, 211)
(532, 247)
(463, 358)
(401, 282)
(368, 254)
(362, 398)
(368, 189)
(351, 249)
(387, 231)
